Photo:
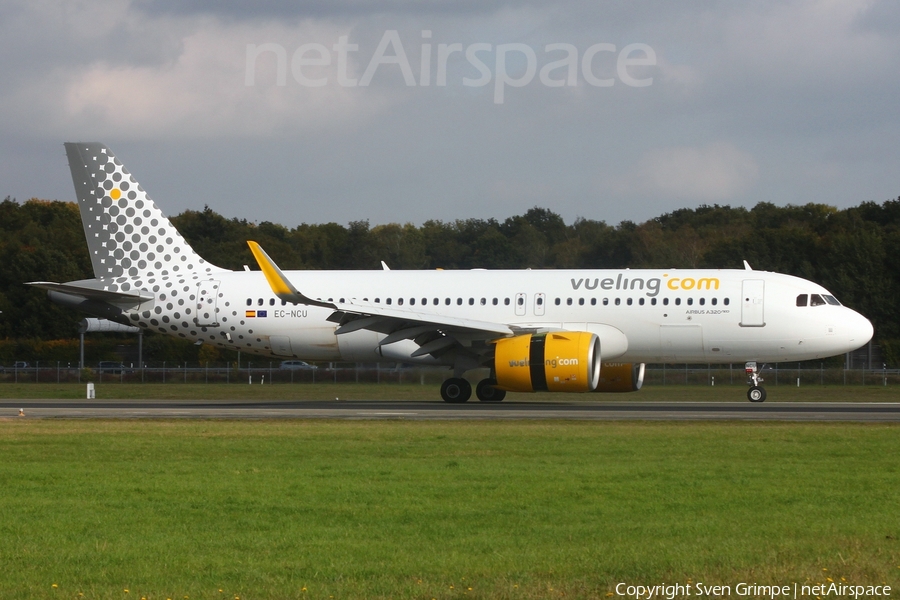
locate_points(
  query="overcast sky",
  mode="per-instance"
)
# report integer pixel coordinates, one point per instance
(640, 108)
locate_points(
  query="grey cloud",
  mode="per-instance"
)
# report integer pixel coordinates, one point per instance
(749, 103)
(281, 9)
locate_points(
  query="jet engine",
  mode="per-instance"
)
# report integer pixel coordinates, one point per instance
(565, 361)
(621, 377)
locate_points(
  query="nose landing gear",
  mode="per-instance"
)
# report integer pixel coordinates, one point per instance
(756, 393)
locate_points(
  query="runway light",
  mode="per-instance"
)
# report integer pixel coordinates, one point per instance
(21, 412)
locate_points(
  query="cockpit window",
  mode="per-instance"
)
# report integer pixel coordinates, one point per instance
(831, 300)
(802, 299)
(816, 300)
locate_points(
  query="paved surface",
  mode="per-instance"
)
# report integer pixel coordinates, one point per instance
(657, 411)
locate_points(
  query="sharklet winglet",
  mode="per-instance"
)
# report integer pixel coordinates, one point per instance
(280, 284)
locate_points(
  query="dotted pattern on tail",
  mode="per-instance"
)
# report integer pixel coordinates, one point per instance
(128, 236)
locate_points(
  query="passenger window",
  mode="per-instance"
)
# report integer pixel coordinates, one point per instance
(802, 299)
(653, 301)
(726, 301)
(436, 301)
(714, 301)
(816, 300)
(447, 301)
(249, 302)
(628, 302)
(618, 301)
(459, 301)
(284, 302)
(471, 301)
(540, 301)
(557, 301)
(593, 302)
(665, 301)
(271, 301)
(606, 302)
(581, 302)
(690, 301)
(520, 301)
(641, 301)
(400, 301)
(483, 301)
(494, 302)
(677, 301)
(412, 301)
(702, 301)
(388, 301)
(506, 302)
(377, 300)
(569, 301)
(259, 301)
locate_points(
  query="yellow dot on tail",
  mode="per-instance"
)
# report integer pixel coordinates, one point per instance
(115, 194)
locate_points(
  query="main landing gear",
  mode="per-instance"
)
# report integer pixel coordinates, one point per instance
(756, 393)
(457, 390)
(486, 391)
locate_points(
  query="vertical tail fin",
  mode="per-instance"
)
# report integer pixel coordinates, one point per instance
(127, 235)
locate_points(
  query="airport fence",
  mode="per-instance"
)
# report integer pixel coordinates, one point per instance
(271, 373)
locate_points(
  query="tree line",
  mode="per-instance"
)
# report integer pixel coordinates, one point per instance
(852, 252)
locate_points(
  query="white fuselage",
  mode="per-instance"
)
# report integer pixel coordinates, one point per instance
(716, 316)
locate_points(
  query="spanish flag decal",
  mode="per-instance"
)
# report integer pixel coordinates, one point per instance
(250, 313)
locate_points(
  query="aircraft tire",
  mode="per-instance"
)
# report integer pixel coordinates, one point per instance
(486, 391)
(456, 390)
(756, 394)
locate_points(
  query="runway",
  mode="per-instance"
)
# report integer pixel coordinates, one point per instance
(408, 410)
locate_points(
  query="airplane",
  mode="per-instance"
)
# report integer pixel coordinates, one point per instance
(573, 330)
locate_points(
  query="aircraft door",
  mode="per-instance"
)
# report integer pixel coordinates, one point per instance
(539, 302)
(520, 304)
(752, 294)
(206, 306)
(280, 345)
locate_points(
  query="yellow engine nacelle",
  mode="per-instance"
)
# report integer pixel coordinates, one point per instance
(566, 361)
(621, 377)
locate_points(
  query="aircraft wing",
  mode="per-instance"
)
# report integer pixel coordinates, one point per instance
(433, 333)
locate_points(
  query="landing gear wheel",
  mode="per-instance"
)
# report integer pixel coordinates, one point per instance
(486, 391)
(756, 394)
(456, 390)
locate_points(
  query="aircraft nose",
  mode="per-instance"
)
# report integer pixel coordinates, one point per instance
(860, 329)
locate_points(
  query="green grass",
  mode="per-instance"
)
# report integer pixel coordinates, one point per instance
(412, 391)
(300, 509)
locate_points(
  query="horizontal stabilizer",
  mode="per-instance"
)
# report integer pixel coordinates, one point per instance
(90, 293)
